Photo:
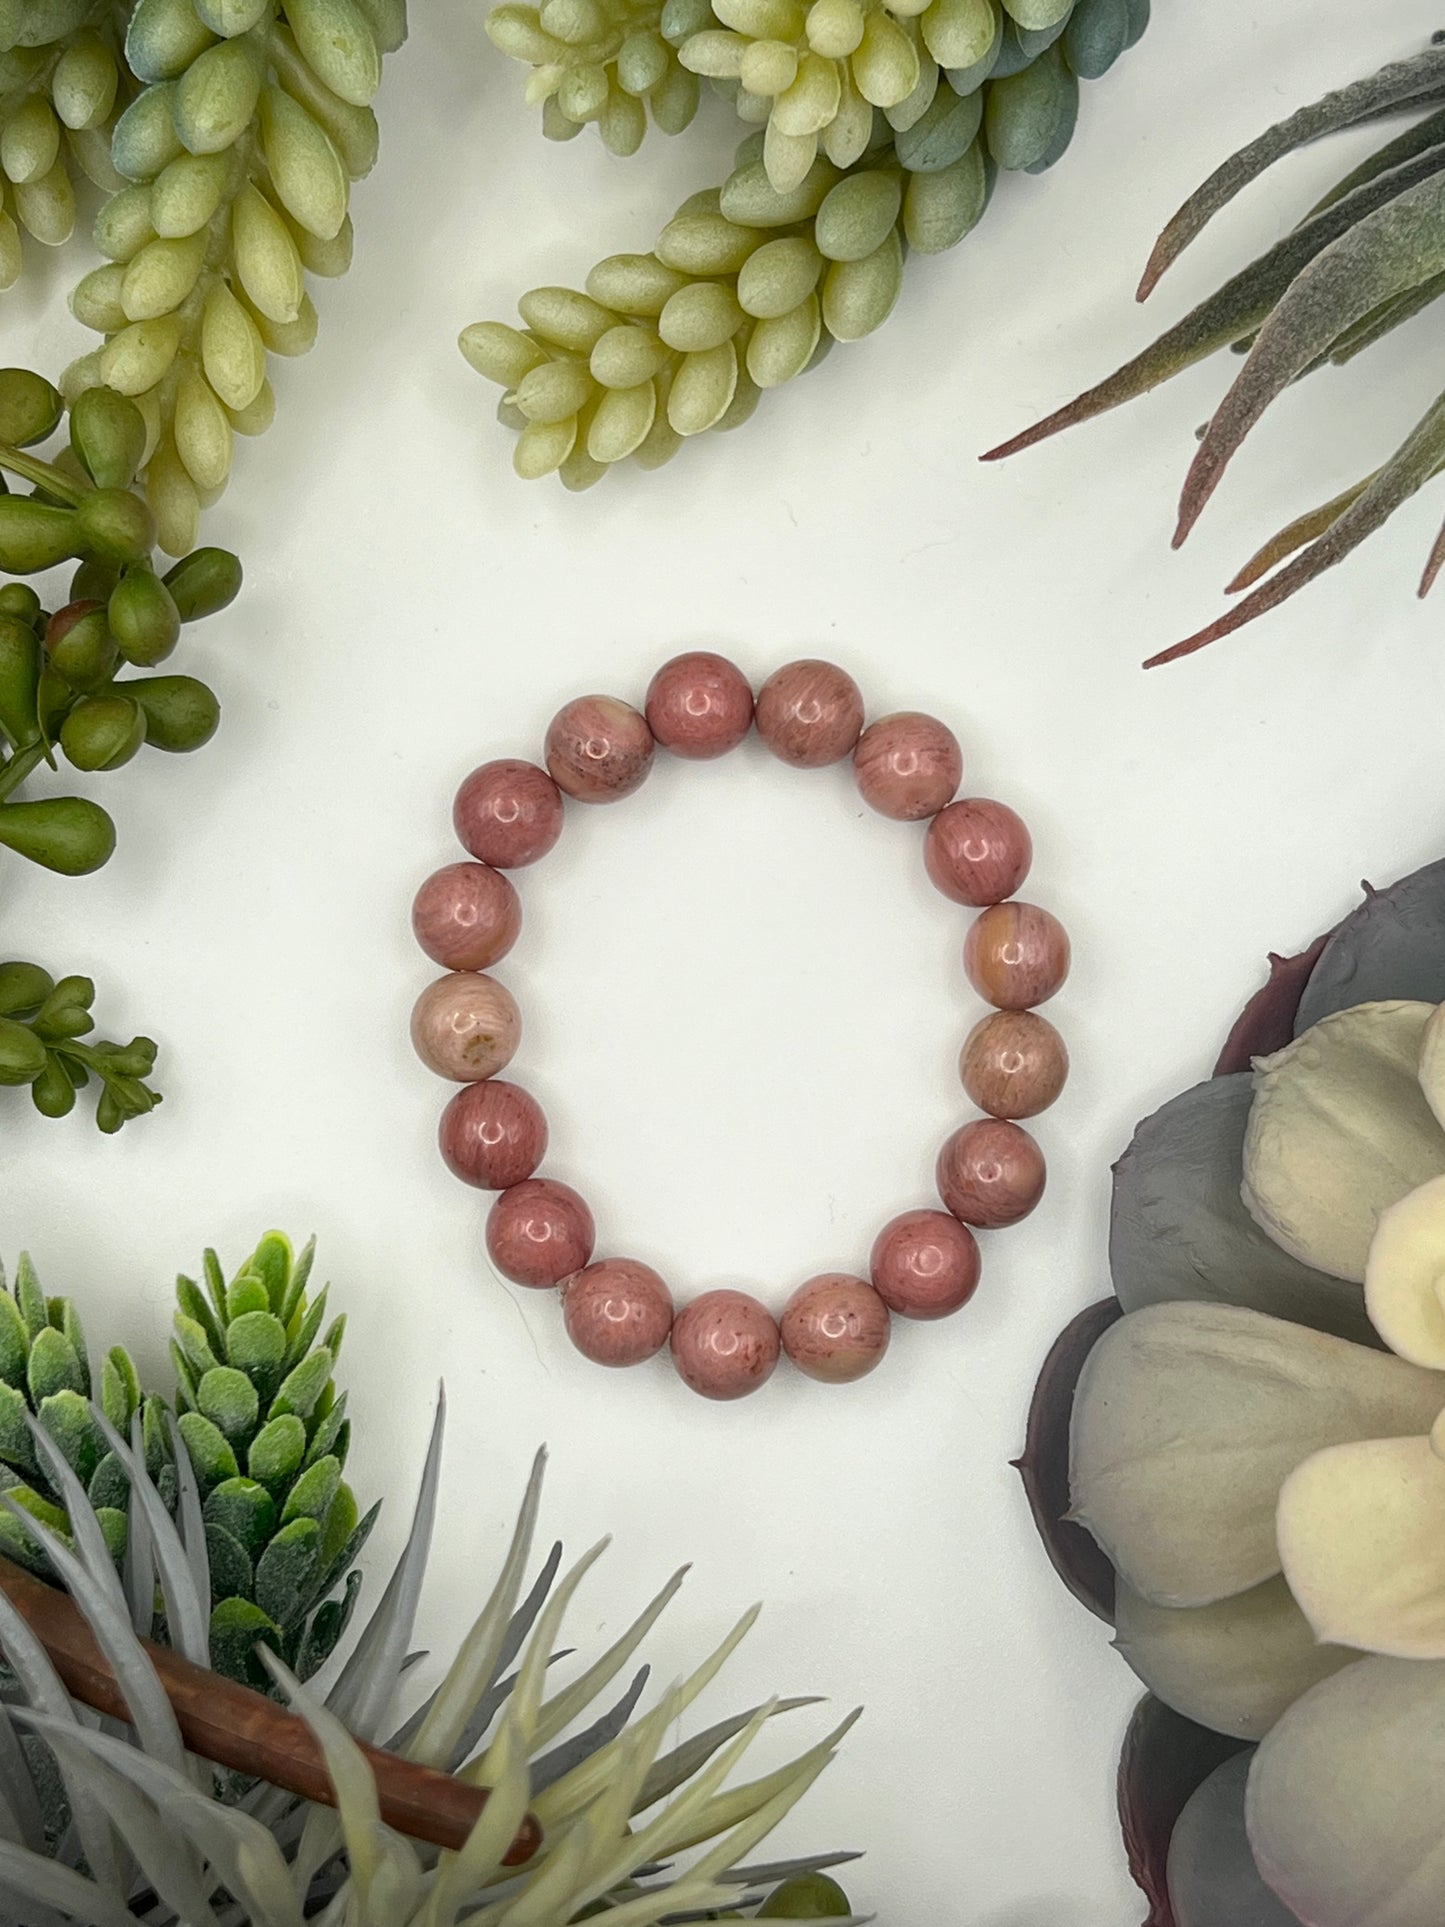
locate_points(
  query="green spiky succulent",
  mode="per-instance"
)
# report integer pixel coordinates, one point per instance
(267, 1433)
(1365, 259)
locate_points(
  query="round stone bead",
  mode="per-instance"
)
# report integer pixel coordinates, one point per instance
(810, 713)
(924, 1264)
(1013, 1064)
(599, 749)
(539, 1232)
(466, 916)
(617, 1312)
(907, 766)
(466, 1026)
(990, 1173)
(977, 851)
(492, 1135)
(1016, 955)
(508, 813)
(835, 1328)
(725, 1344)
(699, 705)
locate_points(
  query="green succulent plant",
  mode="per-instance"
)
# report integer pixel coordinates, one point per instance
(1366, 258)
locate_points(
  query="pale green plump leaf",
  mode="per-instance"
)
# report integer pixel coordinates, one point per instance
(1362, 1538)
(1339, 1130)
(1343, 1807)
(1213, 1880)
(1189, 1418)
(1234, 1666)
(1404, 1275)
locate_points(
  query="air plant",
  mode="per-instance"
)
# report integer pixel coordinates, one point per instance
(1248, 1445)
(1365, 259)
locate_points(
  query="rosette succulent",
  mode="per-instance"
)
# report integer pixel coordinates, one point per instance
(1251, 1435)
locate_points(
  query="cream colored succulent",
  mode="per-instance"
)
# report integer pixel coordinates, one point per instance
(1273, 1497)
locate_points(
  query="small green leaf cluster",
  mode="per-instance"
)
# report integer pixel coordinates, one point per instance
(267, 1434)
(885, 127)
(45, 1044)
(45, 1371)
(62, 83)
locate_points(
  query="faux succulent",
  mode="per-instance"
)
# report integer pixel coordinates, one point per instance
(1240, 1460)
(577, 1814)
(1362, 261)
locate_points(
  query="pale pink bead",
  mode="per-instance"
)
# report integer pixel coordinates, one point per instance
(725, 1344)
(539, 1232)
(617, 1312)
(492, 1135)
(1016, 955)
(991, 1173)
(925, 1264)
(466, 1026)
(599, 749)
(835, 1328)
(699, 705)
(907, 766)
(978, 851)
(810, 713)
(1014, 1063)
(508, 813)
(466, 916)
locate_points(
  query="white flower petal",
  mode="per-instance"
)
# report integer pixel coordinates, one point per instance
(1340, 1129)
(1362, 1539)
(1405, 1276)
(1343, 1807)
(1234, 1666)
(1189, 1418)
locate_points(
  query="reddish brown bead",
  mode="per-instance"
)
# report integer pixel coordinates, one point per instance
(925, 1264)
(617, 1312)
(466, 916)
(835, 1328)
(539, 1232)
(699, 705)
(907, 766)
(725, 1344)
(991, 1173)
(599, 749)
(1013, 1064)
(1016, 955)
(508, 813)
(466, 1026)
(492, 1135)
(978, 851)
(810, 713)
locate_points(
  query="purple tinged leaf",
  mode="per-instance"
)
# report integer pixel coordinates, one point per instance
(1165, 1758)
(1079, 1561)
(1392, 86)
(1426, 133)
(1389, 251)
(1392, 946)
(1294, 535)
(1267, 1022)
(1213, 1879)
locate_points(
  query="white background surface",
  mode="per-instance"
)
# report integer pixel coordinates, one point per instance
(743, 1001)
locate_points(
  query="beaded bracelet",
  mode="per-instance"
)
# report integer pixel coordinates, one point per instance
(466, 1026)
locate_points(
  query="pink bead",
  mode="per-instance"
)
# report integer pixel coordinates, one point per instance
(508, 813)
(599, 749)
(1016, 955)
(492, 1135)
(978, 851)
(925, 1264)
(539, 1232)
(991, 1173)
(1013, 1064)
(835, 1328)
(699, 705)
(810, 713)
(725, 1344)
(466, 916)
(907, 766)
(617, 1312)
(465, 1026)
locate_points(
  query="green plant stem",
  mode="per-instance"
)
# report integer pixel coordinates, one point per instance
(14, 773)
(30, 468)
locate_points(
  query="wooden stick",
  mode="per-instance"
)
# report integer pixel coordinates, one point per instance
(235, 1727)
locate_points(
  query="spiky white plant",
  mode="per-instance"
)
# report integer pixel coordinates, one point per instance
(105, 1823)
